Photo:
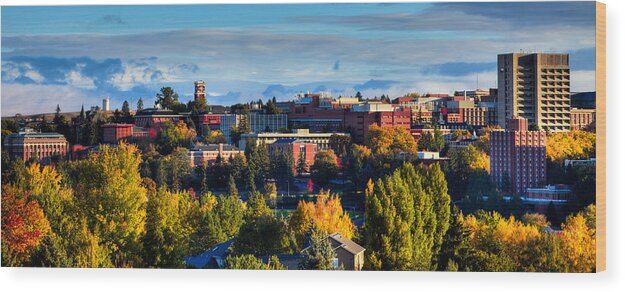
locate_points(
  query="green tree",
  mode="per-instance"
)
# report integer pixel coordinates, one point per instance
(232, 187)
(401, 221)
(324, 167)
(167, 98)
(165, 238)
(176, 135)
(140, 104)
(319, 255)
(250, 262)
(340, 144)
(110, 191)
(384, 140)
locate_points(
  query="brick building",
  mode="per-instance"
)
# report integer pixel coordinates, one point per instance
(298, 148)
(113, 133)
(42, 146)
(582, 118)
(200, 154)
(518, 156)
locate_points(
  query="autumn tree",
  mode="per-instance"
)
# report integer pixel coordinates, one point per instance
(24, 225)
(382, 140)
(326, 214)
(173, 135)
(110, 191)
(462, 165)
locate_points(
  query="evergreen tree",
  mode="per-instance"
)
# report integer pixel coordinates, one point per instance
(319, 255)
(140, 104)
(232, 187)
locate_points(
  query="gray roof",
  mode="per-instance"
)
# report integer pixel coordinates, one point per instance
(345, 243)
(204, 260)
(213, 147)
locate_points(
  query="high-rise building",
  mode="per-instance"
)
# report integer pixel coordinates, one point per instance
(535, 87)
(518, 157)
(200, 89)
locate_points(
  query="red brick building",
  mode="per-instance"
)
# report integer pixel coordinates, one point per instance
(518, 156)
(300, 150)
(358, 122)
(42, 146)
(113, 133)
(582, 118)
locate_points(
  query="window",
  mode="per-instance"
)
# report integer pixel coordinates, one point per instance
(335, 263)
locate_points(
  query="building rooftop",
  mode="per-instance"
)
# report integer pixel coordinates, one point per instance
(213, 147)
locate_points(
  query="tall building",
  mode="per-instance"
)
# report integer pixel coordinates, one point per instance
(518, 157)
(42, 146)
(200, 89)
(536, 87)
(105, 104)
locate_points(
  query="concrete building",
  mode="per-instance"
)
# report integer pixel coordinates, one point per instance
(518, 156)
(200, 154)
(105, 104)
(30, 144)
(322, 140)
(535, 87)
(258, 123)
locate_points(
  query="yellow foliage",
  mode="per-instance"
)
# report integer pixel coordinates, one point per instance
(326, 214)
(570, 145)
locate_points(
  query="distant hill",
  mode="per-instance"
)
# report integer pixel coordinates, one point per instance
(584, 99)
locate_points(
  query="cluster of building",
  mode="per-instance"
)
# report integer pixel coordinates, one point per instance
(532, 97)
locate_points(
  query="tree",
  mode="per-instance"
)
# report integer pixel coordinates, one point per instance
(262, 233)
(359, 95)
(384, 140)
(174, 135)
(215, 137)
(167, 98)
(302, 165)
(271, 194)
(326, 214)
(127, 116)
(359, 166)
(24, 226)
(232, 187)
(259, 162)
(453, 247)
(463, 164)
(435, 185)
(571, 145)
(282, 166)
(324, 167)
(110, 191)
(340, 144)
(140, 104)
(242, 128)
(250, 262)
(578, 245)
(401, 221)
(165, 238)
(319, 255)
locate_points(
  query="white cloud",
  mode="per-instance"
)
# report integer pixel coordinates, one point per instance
(76, 79)
(42, 98)
(583, 80)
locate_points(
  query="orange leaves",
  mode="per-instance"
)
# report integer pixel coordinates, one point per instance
(23, 225)
(326, 213)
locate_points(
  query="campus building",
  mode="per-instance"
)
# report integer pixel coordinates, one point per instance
(322, 140)
(518, 157)
(258, 123)
(536, 87)
(200, 154)
(41, 146)
(300, 150)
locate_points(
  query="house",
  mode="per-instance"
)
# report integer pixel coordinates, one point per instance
(349, 254)
(210, 259)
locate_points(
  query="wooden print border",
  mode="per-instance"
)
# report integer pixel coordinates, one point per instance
(600, 87)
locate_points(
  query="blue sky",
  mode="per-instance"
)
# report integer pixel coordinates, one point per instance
(74, 55)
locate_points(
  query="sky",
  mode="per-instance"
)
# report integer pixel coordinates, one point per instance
(75, 55)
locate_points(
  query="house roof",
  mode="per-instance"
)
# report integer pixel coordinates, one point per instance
(203, 260)
(339, 241)
(346, 244)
